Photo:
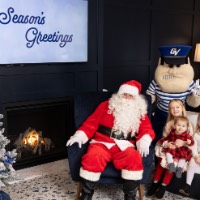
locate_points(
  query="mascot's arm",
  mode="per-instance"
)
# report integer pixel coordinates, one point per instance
(151, 91)
(194, 99)
(153, 97)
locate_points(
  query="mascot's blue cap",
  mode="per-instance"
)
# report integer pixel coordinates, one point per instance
(176, 50)
(175, 54)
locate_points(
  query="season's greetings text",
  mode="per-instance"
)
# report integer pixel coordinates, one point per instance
(34, 36)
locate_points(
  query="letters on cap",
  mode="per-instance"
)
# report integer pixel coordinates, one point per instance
(179, 50)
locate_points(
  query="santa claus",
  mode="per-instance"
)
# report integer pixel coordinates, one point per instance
(121, 132)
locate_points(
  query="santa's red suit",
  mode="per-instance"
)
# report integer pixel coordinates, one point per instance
(103, 148)
(120, 148)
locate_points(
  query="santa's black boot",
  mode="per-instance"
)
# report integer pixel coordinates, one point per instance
(130, 188)
(87, 190)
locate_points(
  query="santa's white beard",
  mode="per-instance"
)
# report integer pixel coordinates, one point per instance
(127, 112)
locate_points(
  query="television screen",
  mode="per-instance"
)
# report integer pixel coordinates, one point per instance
(43, 31)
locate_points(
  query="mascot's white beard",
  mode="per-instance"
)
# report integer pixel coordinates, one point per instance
(127, 112)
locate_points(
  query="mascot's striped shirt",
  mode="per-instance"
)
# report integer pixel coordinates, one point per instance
(163, 98)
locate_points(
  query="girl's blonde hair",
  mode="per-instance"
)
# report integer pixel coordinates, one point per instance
(198, 123)
(183, 119)
(170, 116)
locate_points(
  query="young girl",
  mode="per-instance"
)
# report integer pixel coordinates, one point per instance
(194, 164)
(178, 154)
(176, 108)
(162, 177)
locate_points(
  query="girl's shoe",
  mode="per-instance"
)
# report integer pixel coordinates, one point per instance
(185, 190)
(152, 190)
(160, 193)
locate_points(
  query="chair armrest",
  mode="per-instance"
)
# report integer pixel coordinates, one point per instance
(148, 166)
(74, 158)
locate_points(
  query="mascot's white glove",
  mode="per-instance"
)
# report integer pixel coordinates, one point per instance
(80, 137)
(194, 100)
(143, 145)
(196, 90)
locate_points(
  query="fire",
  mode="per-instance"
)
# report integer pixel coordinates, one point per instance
(32, 138)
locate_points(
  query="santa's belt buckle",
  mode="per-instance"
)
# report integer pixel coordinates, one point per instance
(116, 134)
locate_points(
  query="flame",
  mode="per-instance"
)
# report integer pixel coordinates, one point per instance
(32, 138)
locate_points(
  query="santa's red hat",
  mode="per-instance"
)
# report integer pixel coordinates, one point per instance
(131, 87)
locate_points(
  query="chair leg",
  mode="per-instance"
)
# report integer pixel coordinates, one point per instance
(141, 191)
(78, 192)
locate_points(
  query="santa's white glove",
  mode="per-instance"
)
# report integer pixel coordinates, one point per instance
(143, 145)
(79, 137)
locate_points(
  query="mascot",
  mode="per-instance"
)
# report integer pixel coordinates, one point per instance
(173, 80)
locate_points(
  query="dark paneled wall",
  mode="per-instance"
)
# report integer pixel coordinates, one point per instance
(123, 38)
(133, 31)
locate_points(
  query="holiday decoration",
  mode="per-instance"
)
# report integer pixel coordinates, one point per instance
(7, 158)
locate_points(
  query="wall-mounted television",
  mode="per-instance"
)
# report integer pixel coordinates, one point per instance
(43, 31)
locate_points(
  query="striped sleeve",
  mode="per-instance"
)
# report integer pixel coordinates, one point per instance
(192, 86)
(152, 88)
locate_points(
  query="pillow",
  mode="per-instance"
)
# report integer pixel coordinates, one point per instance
(192, 116)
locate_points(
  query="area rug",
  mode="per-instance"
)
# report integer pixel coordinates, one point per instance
(52, 181)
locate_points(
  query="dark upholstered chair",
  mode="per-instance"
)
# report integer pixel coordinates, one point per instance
(84, 104)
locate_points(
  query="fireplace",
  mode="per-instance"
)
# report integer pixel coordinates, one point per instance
(38, 130)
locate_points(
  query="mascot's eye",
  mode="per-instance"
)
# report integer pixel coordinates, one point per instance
(171, 65)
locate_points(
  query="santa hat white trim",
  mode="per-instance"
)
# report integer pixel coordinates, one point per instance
(91, 176)
(128, 89)
(132, 175)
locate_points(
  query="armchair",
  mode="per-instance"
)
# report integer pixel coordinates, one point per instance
(84, 104)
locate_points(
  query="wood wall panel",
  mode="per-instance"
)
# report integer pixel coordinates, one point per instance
(33, 86)
(88, 81)
(168, 29)
(171, 4)
(122, 35)
(139, 73)
(147, 27)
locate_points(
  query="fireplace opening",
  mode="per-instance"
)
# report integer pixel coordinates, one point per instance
(38, 130)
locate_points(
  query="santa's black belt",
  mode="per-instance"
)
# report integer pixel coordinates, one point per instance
(112, 133)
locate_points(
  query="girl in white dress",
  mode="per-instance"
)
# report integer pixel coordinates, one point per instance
(194, 164)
